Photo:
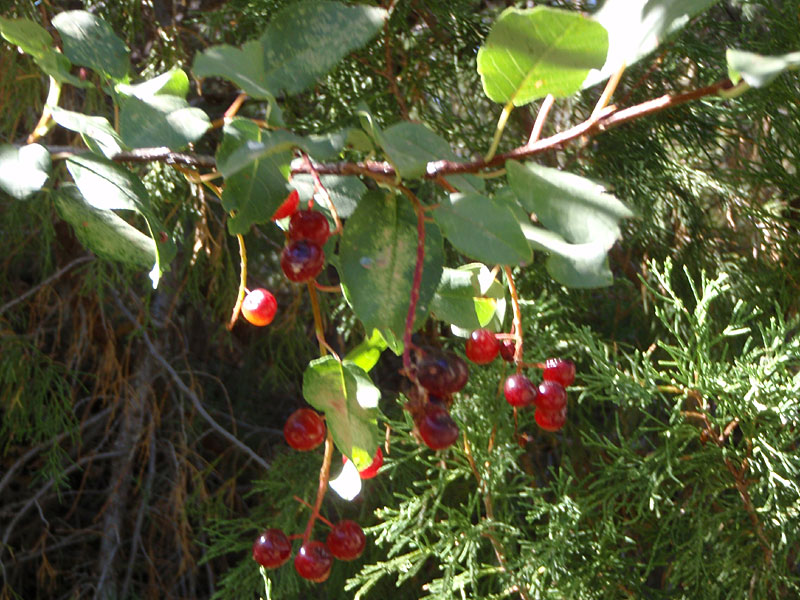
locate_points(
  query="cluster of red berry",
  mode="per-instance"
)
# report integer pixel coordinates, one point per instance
(549, 398)
(305, 430)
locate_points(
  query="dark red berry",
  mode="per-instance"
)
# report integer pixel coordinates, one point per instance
(346, 541)
(437, 428)
(304, 429)
(259, 307)
(519, 390)
(288, 207)
(302, 261)
(372, 469)
(507, 349)
(272, 548)
(309, 225)
(559, 369)
(551, 420)
(313, 561)
(442, 374)
(482, 346)
(552, 396)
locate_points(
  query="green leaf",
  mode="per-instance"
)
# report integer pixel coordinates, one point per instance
(411, 146)
(301, 44)
(468, 297)
(378, 253)
(57, 66)
(103, 232)
(757, 70)
(482, 229)
(347, 396)
(368, 352)
(573, 265)
(174, 82)
(531, 53)
(23, 171)
(323, 147)
(97, 132)
(107, 186)
(255, 192)
(577, 209)
(90, 42)
(31, 37)
(637, 27)
(344, 191)
(161, 120)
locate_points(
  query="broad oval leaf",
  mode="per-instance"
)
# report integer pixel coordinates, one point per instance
(90, 42)
(31, 37)
(637, 27)
(467, 298)
(301, 44)
(103, 232)
(349, 399)
(757, 70)
(368, 352)
(482, 229)
(344, 191)
(97, 132)
(174, 82)
(531, 53)
(23, 171)
(377, 255)
(577, 209)
(161, 121)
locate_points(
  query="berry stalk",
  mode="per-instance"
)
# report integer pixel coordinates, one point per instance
(324, 476)
(242, 282)
(517, 319)
(416, 283)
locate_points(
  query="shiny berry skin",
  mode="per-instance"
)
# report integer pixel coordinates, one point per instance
(437, 428)
(559, 369)
(304, 429)
(302, 261)
(372, 469)
(288, 207)
(259, 307)
(272, 548)
(519, 390)
(551, 420)
(552, 396)
(313, 561)
(309, 225)
(482, 346)
(442, 375)
(507, 349)
(346, 541)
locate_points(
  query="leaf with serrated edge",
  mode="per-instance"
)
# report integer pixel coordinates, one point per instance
(23, 171)
(482, 229)
(349, 399)
(578, 209)
(378, 252)
(530, 53)
(90, 42)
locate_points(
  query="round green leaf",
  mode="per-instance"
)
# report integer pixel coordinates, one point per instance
(90, 42)
(23, 171)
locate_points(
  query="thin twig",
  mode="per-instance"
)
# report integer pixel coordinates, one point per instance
(417, 281)
(324, 476)
(318, 187)
(53, 277)
(198, 405)
(541, 118)
(237, 307)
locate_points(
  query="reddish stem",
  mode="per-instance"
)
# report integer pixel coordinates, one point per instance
(517, 319)
(320, 517)
(324, 476)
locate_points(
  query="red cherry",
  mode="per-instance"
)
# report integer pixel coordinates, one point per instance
(519, 390)
(372, 469)
(346, 541)
(551, 420)
(437, 428)
(507, 349)
(304, 429)
(313, 561)
(302, 261)
(259, 307)
(311, 226)
(559, 369)
(443, 374)
(288, 207)
(482, 346)
(272, 548)
(552, 396)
